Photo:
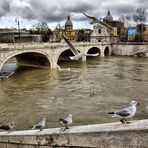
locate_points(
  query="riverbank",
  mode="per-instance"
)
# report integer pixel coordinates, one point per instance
(113, 135)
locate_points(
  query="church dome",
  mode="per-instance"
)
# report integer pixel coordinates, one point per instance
(108, 17)
(68, 21)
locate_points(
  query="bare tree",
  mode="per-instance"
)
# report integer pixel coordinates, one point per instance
(123, 18)
(43, 30)
(140, 15)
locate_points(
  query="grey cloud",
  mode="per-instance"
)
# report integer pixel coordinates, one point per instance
(57, 10)
(4, 7)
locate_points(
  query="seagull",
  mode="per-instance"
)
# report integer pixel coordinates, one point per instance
(66, 121)
(7, 126)
(125, 112)
(77, 54)
(40, 125)
(95, 20)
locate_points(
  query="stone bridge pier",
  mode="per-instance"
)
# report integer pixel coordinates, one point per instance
(48, 55)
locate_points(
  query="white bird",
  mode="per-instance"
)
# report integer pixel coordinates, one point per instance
(77, 54)
(94, 20)
(39, 125)
(7, 126)
(66, 121)
(125, 112)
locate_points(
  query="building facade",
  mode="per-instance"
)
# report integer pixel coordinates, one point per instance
(145, 33)
(69, 32)
(121, 31)
(14, 36)
(103, 34)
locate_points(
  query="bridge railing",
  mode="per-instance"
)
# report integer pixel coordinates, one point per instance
(12, 46)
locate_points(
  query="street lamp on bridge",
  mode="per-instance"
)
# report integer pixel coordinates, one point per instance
(18, 24)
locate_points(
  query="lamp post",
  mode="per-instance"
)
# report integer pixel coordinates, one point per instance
(18, 24)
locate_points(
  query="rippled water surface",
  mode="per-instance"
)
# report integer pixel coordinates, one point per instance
(88, 91)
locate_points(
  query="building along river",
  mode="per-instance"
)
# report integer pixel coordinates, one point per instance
(88, 91)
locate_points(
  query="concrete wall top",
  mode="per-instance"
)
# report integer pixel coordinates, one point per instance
(106, 127)
(109, 135)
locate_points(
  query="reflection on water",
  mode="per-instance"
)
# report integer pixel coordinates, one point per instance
(8, 69)
(88, 91)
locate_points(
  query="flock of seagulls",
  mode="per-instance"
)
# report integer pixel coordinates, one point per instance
(124, 113)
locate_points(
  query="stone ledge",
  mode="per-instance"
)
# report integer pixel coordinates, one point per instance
(113, 135)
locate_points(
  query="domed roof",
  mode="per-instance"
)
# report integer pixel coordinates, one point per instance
(68, 21)
(108, 17)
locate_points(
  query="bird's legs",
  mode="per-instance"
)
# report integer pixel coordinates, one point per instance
(41, 129)
(124, 121)
(66, 127)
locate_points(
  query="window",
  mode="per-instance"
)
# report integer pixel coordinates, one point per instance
(99, 31)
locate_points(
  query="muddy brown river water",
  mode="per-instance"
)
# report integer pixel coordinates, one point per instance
(88, 91)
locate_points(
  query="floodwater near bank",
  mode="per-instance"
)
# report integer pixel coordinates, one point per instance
(88, 91)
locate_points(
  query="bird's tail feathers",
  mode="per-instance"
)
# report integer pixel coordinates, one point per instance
(61, 120)
(111, 113)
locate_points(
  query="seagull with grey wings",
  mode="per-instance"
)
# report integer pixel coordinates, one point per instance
(77, 54)
(40, 125)
(94, 20)
(125, 113)
(7, 126)
(66, 121)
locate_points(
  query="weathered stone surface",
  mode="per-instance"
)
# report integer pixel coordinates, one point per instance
(113, 135)
(128, 50)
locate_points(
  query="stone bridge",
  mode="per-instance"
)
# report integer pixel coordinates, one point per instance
(48, 54)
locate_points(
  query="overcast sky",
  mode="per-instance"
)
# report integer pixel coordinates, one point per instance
(53, 12)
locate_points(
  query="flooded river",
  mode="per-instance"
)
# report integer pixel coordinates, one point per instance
(88, 91)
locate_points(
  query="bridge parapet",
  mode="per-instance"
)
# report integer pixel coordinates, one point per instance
(93, 136)
(45, 45)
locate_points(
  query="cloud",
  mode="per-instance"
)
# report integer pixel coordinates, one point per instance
(4, 7)
(57, 10)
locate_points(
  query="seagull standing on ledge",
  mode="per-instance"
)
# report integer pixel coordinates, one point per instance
(66, 121)
(7, 126)
(40, 125)
(125, 112)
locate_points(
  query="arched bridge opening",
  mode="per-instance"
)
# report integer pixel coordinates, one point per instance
(106, 51)
(94, 50)
(65, 56)
(33, 59)
(28, 59)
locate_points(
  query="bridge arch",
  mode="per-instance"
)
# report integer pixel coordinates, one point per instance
(107, 51)
(33, 58)
(64, 54)
(94, 50)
